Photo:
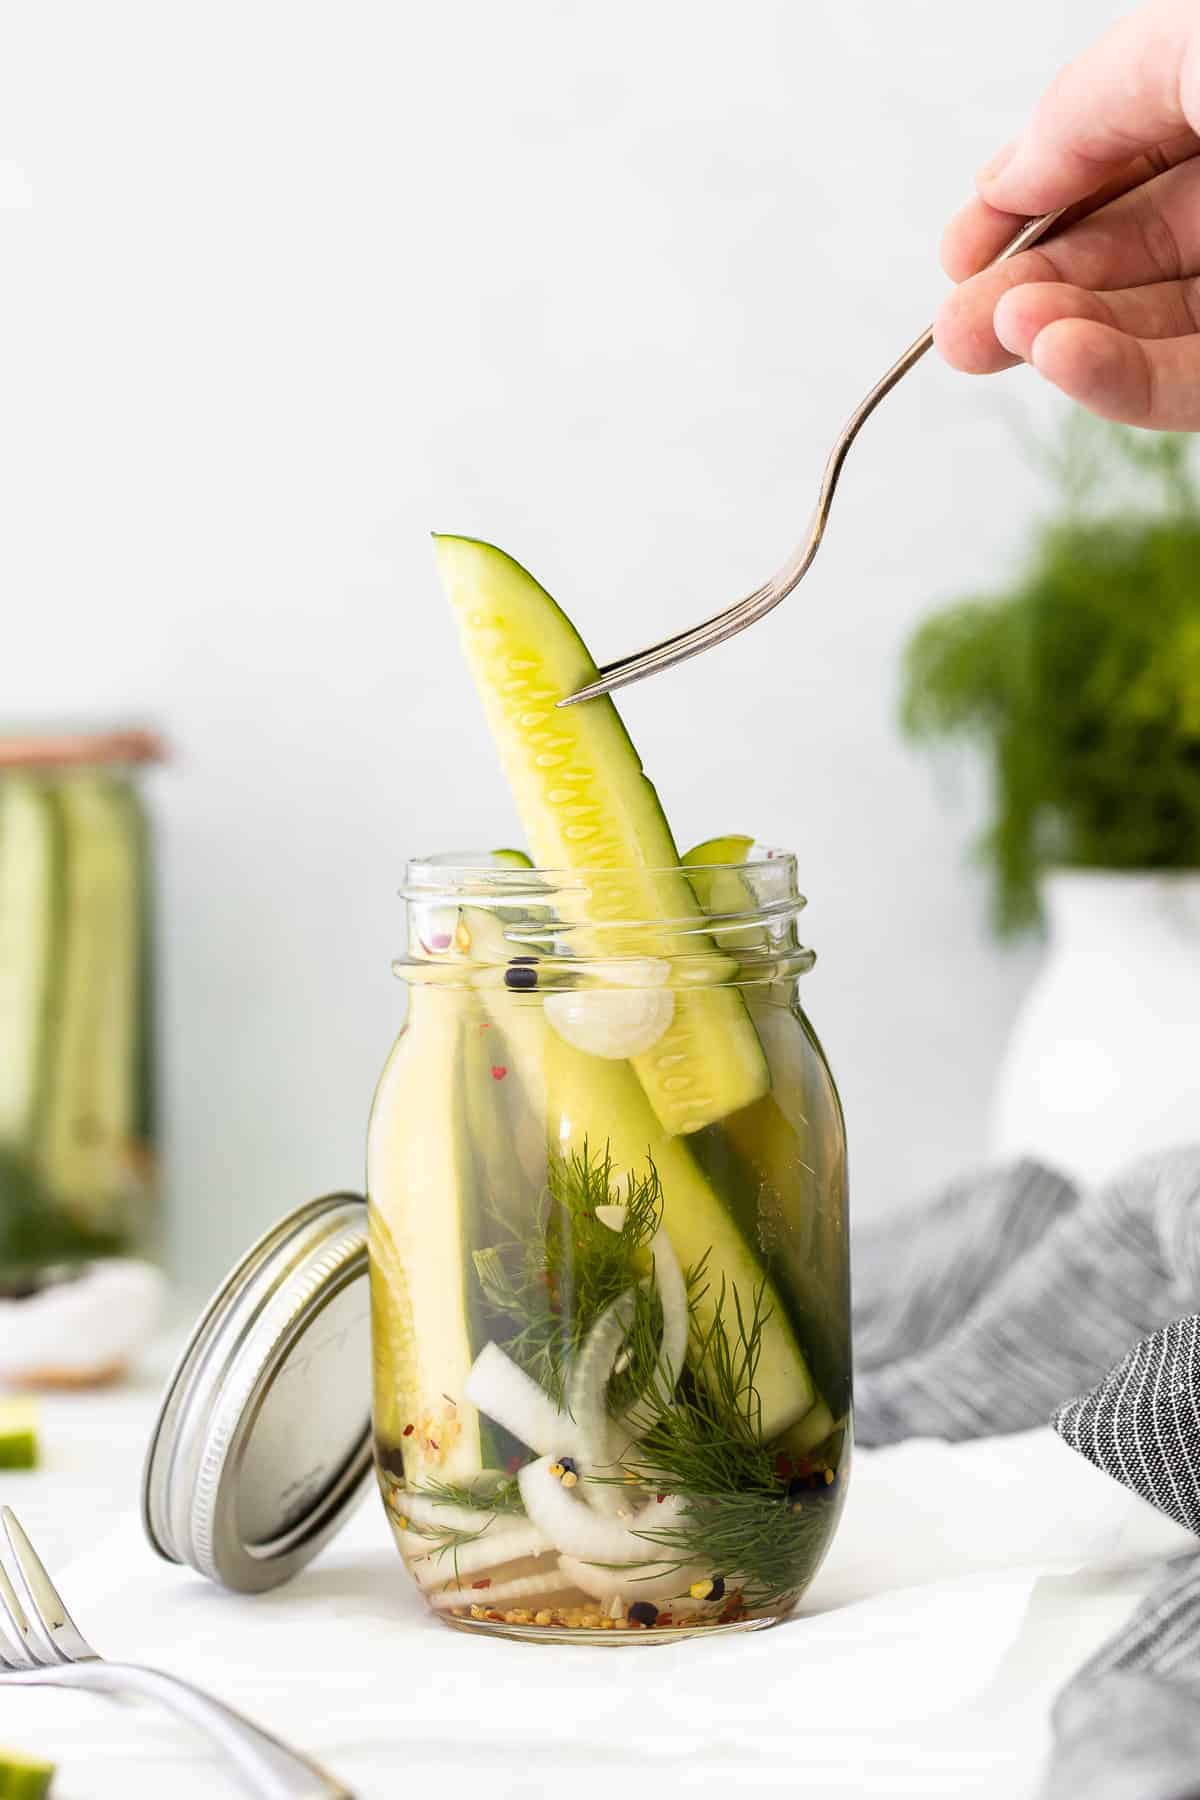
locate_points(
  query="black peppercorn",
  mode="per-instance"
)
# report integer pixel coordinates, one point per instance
(642, 1613)
(815, 1485)
(521, 974)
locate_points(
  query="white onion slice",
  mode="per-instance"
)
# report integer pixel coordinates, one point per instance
(645, 1581)
(502, 1593)
(672, 1294)
(570, 1524)
(424, 1509)
(588, 1405)
(659, 1515)
(576, 1530)
(513, 1399)
(486, 1552)
(623, 1020)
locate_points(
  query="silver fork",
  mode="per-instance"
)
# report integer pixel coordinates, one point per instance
(41, 1646)
(764, 599)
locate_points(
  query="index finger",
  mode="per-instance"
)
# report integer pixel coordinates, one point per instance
(978, 233)
(1131, 92)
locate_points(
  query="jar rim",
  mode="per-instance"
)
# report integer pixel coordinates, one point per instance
(80, 748)
(736, 923)
(435, 871)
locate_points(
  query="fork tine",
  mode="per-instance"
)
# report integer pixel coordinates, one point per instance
(67, 1643)
(16, 1652)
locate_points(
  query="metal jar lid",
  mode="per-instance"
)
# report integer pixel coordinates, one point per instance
(263, 1442)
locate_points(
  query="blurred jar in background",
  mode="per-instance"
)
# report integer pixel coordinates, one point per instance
(78, 1154)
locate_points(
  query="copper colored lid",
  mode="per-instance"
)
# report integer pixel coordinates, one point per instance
(79, 749)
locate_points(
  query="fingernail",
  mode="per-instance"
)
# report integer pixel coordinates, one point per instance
(1000, 161)
(998, 164)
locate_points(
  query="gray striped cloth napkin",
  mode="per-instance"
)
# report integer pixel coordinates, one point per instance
(986, 1312)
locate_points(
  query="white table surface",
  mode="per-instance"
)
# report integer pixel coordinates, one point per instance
(966, 1585)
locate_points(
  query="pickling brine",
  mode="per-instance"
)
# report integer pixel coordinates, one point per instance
(611, 1358)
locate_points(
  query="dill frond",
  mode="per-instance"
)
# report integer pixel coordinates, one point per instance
(503, 1497)
(552, 1283)
(706, 1446)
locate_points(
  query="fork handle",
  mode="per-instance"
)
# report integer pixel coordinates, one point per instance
(267, 1766)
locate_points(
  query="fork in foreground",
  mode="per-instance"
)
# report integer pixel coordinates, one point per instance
(41, 1646)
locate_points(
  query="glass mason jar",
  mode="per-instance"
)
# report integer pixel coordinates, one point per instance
(77, 1128)
(610, 1290)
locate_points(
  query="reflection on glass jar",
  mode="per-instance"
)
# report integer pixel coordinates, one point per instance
(77, 1130)
(610, 1287)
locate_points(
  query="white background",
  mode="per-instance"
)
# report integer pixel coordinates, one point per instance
(282, 287)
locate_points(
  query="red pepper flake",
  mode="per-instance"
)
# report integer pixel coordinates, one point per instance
(408, 1430)
(661, 1498)
(783, 1467)
(486, 1025)
(665, 1619)
(499, 1071)
(433, 1444)
(495, 1617)
(482, 1584)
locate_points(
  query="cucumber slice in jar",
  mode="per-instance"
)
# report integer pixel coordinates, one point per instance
(711, 859)
(90, 1112)
(721, 890)
(586, 804)
(602, 1101)
(29, 883)
(420, 1181)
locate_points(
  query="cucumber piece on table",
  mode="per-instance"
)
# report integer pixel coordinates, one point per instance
(22, 1778)
(18, 1434)
(585, 803)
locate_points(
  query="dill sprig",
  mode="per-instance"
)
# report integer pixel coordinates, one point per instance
(553, 1281)
(706, 1446)
(447, 1542)
(444, 1541)
(703, 1441)
(503, 1497)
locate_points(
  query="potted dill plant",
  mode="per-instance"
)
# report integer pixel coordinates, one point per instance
(1080, 688)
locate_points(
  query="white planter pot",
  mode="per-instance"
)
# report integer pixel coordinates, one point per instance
(1104, 1061)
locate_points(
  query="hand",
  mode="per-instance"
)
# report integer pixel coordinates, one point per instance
(1108, 309)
